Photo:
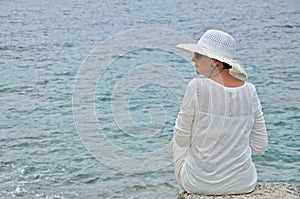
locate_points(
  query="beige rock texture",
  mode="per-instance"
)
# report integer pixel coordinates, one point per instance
(263, 190)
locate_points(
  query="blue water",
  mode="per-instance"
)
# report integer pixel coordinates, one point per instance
(44, 152)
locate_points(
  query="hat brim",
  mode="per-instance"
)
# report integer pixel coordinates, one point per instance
(236, 70)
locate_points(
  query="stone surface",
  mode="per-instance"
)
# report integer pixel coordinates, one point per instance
(263, 190)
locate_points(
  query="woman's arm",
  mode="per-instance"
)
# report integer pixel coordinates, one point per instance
(184, 121)
(258, 135)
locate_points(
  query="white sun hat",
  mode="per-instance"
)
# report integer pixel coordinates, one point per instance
(218, 45)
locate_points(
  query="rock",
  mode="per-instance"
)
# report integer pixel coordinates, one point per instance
(263, 190)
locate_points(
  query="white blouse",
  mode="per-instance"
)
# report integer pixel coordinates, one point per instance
(222, 127)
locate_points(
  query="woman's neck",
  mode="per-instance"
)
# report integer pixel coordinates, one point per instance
(226, 79)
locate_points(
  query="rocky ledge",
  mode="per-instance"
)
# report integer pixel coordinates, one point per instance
(263, 190)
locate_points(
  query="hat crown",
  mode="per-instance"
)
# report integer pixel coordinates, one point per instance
(219, 42)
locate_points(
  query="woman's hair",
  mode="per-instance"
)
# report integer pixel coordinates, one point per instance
(226, 66)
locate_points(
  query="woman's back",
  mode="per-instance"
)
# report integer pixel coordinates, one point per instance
(219, 157)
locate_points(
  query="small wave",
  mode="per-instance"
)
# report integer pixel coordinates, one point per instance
(16, 89)
(284, 26)
(292, 108)
(20, 191)
(147, 190)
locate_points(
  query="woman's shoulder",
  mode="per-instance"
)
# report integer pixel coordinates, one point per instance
(250, 86)
(196, 81)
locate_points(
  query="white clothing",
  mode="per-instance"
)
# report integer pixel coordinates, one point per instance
(216, 132)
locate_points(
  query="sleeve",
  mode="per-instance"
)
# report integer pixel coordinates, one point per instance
(258, 135)
(185, 118)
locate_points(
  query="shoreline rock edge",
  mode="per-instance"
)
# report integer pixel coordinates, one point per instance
(263, 190)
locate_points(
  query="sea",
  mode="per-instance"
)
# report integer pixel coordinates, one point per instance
(90, 90)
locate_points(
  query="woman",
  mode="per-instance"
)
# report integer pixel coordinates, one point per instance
(220, 123)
